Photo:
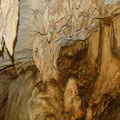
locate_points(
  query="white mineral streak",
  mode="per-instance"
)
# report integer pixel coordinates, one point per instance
(108, 2)
(8, 23)
(74, 19)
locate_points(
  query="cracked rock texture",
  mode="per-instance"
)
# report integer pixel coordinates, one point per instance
(75, 46)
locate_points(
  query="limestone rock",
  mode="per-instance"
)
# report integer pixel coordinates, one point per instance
(76, 49)
(36, 100)
(9, 20)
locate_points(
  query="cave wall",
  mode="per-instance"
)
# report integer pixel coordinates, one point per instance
(76, 49)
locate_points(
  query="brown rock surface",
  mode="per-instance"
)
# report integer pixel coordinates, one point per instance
(76, 49)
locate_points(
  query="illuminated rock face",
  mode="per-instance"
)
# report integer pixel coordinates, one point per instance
(8, 20)
(76, 50)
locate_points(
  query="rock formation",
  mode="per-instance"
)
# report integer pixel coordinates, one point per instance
(76, 52)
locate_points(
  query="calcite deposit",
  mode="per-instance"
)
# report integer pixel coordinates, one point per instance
(75, 70)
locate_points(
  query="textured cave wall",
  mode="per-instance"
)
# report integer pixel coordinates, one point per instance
(7, 76)
(65, 22)
(76, 49)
